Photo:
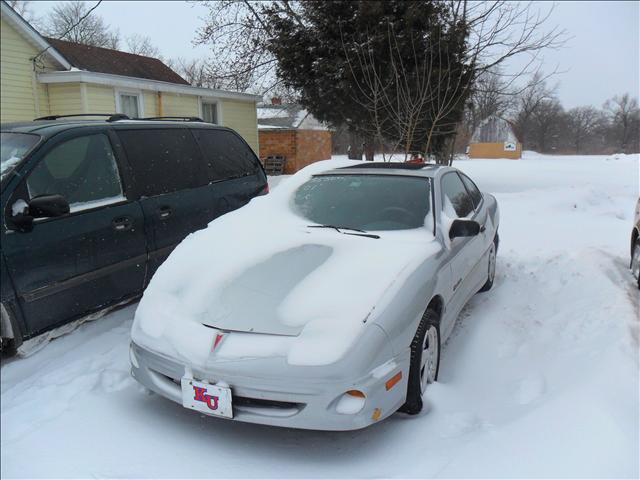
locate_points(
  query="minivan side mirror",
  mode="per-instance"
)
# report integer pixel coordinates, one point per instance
(45, 206)
(464, 228)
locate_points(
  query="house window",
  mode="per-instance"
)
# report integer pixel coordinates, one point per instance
(129, 103)
(210, 112)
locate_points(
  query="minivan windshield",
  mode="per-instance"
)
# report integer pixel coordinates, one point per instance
(13, 148)
(366, 202)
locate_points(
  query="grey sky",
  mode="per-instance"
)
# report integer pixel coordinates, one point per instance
(601, 59)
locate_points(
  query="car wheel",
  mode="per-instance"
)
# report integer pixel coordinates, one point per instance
(425, 361)
(491, 269)
(635, 262)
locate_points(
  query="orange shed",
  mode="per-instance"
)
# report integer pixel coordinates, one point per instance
(494, 138)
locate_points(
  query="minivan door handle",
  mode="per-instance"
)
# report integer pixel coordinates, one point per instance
(122, 224)
(164, 212)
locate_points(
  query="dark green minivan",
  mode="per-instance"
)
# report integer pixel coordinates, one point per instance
(90, 209)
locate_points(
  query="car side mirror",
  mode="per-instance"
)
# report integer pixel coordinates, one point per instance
(46, 206)
(464, 228)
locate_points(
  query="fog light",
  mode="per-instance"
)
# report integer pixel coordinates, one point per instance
(375, 416)
(351, 402)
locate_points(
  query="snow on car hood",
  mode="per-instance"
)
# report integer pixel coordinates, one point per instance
(260, 270)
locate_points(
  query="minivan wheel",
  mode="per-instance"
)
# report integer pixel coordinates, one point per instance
(425, 361)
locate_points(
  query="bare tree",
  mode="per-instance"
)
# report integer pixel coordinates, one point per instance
(196, 72)
(23, 8)
(142, 45)
(625, 121)
(528, 102)
(546, 124)
(582, 126)
(74, 21)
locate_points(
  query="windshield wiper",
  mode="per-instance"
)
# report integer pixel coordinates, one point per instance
(338, 228)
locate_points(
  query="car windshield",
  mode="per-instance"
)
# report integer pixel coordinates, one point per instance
(13, 148)
(366, 202)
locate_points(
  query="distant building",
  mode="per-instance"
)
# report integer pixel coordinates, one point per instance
(290, 131)
(495, 138)
(43, 76)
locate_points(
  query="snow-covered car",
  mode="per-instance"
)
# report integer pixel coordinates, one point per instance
(635, 245)
(322, 305)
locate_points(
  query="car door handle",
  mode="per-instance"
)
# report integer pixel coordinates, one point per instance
(122, 224)
(165, 212)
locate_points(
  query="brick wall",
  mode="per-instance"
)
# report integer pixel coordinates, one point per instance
(312, 145)
(300, 147)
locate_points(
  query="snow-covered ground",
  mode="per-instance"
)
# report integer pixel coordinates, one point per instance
(540, 377)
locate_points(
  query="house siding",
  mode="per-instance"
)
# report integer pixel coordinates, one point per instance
(179, 105)
(17, 101)
(65, 99)
(242, 117)
(100, 99)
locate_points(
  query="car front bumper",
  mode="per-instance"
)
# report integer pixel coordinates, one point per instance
(307, 403)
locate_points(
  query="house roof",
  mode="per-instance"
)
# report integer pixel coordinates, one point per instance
(106, 60)
(494, 129)
(287, 116)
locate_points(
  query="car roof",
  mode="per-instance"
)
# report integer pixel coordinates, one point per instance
(49, 128)
(424, 170)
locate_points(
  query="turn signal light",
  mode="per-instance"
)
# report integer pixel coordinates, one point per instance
(356, 393)
(392, 381)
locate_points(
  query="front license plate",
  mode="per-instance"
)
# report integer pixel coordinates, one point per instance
(206, 398)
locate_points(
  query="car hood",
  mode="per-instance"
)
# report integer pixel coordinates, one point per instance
(261, 270)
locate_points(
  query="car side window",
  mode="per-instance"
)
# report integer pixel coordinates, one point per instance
(163, 160)
(83, 170)
(456, 201)
(472, 189)
(226, 155)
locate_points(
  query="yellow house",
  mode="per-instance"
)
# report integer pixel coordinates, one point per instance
(494, 138)
(43, 76)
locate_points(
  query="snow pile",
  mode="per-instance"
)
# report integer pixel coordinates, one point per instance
(538, 379)
(206, 282)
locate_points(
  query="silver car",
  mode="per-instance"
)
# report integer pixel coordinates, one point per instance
(322, 305)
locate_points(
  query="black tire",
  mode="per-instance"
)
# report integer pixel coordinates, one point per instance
(634, 252)
(491, 276)
(8, 347)
(413, 403)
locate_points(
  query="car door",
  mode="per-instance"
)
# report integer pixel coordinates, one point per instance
(67, 266)
(235, 173)
(478, 275)
(172, 185)
(464, 252)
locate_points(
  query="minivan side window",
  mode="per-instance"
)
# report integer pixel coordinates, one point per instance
(163, 161)
(472, 189)
(456, 201)
(226, 154)
(83, 170)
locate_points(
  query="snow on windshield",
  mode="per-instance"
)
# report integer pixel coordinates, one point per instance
(13, 148)
(190, 288)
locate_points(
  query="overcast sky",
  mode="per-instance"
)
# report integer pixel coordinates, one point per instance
(601, 59)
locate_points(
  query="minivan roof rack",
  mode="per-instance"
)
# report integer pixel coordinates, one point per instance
(182, 119)
(112, 116)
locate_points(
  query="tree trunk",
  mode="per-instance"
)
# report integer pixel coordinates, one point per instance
(353, 150)
(369, 149)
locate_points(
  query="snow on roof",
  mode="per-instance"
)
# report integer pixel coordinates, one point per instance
(494, 129)
(288, 116)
